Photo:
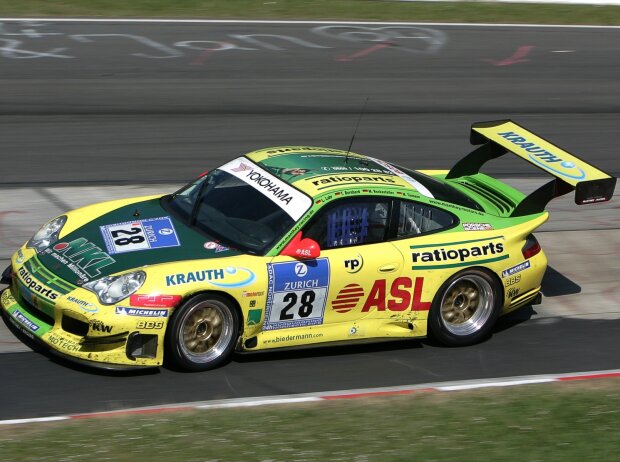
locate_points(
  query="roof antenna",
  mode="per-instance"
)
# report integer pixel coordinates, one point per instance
(346, 157)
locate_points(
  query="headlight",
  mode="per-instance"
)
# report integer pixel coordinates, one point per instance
(48, 234)
(112, 289)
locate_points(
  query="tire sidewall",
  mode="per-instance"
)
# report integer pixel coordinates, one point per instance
(174, 354)
(436, 326)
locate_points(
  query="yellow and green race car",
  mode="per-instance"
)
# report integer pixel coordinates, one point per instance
(293, 246)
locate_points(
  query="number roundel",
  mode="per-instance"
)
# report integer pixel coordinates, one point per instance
(127, 240)
(305, 308)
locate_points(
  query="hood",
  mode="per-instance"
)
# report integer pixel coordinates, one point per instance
(141, 233)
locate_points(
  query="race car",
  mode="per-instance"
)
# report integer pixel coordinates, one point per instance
(294, 246)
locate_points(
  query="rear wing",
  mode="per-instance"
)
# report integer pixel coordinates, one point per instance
(570, 172)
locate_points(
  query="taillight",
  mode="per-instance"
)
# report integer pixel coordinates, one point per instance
(531, 247)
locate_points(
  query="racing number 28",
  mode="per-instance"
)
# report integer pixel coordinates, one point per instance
(127, 240)
(305, 309)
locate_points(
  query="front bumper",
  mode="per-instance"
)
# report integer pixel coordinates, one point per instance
(69, 322)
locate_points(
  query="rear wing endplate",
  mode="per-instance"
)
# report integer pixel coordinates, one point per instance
(571, 173)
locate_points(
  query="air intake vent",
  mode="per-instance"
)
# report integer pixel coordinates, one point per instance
(499, 200)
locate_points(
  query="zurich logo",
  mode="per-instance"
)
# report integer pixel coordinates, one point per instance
(301, 270)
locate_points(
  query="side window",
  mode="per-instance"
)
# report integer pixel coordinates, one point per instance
(350, 222)
(415, 218)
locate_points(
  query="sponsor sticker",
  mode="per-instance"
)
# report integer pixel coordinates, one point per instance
(142, 312)
(7, 297)
(289, 199)
(24, 321)
(353, 265)
(455, 254)
(154, 300)
(512, 292)
(416, 184)
(34, 286)
(544, 158)
(516, 269)
(477, 226)
(150, 325)
(297, 293)
(256, 293)
(130, 236)
(348, 179)
(215, 246)
(254, 317)
(512, 280)
(403, 293)
(348, 298)
(99, 326)
(230, 277)
(86, 306)
(81, 256)
(62, 343)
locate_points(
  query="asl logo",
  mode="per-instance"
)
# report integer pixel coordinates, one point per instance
(347, 298)
(354, 265)
(400, 298)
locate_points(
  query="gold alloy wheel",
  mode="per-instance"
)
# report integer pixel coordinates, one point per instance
(467, 304)
(206, 329)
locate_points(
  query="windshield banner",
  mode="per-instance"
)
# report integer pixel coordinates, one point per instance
(292, 201)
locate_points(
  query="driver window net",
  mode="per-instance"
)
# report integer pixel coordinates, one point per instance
(359, 223)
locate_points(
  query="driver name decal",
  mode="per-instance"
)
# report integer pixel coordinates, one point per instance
(297, 293)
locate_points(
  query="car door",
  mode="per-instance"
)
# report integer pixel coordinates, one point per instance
(335, 287)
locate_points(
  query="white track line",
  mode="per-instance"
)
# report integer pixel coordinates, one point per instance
(333, 395)
(268, 21)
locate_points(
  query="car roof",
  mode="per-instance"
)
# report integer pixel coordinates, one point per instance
(317, 170)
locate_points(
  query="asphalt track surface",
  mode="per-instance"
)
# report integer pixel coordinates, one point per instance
(120, 103)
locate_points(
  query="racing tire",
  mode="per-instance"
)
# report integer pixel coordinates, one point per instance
(465, 308)
(202, 333)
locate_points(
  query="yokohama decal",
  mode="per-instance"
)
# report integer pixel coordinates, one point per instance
(289, 199)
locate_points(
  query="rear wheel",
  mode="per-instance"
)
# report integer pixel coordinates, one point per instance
(465, 308)
(202, 333)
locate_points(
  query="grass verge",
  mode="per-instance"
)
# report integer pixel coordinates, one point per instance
(552, 422)
(319, 9)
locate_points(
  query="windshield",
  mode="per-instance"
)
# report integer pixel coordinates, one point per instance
(231, 210)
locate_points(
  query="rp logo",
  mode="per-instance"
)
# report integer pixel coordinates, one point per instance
(301, 270)
(354, 265)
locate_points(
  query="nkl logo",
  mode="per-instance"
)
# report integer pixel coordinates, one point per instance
(85, 255)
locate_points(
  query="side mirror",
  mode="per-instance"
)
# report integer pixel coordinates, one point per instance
(301, 248)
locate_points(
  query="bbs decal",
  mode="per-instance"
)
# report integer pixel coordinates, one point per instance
(297, 293)
(130, 236)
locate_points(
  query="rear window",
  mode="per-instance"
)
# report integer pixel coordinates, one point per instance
(443, 191)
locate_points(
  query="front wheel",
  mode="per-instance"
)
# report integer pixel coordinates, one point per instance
(465, 308)
(202, 333)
